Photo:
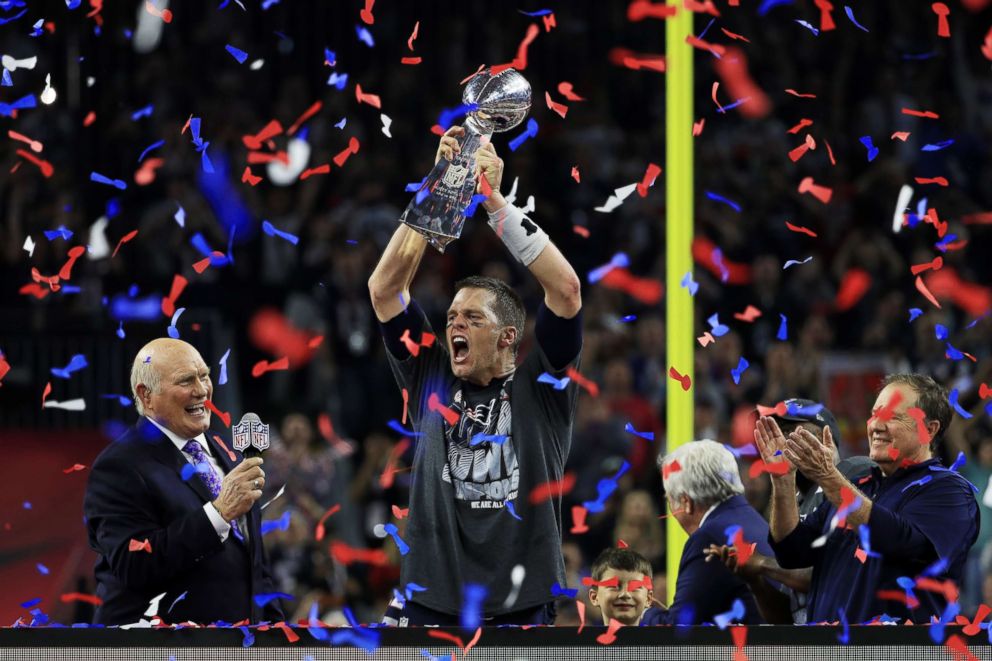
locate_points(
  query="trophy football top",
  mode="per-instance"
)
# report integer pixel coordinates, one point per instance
(503, 100)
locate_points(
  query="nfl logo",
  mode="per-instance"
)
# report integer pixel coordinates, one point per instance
(250, 432)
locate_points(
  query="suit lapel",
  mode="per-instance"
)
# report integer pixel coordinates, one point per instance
(166, 452)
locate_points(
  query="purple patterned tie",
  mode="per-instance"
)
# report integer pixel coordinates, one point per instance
(209, 476)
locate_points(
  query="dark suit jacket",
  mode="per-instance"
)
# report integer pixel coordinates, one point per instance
(706, 589)
(136, 491)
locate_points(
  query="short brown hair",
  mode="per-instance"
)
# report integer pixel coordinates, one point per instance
(931, 398)
(621, 560)
(507, 304)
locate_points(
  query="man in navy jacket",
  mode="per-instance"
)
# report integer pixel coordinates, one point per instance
(193, 536)
(704, 491)
(895, 543)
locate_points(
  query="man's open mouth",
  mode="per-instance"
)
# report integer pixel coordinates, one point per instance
(459, 348)
(197, 410)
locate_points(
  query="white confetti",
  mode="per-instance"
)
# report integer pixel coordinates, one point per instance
(905, 195)
(256, 65)
(517, 577)
(511, 197)
(615, 200)
(531, 205)
(29, 246)
(282, 489)
(68, 405)
(48, 95)
(386, 123)
(180, 216)
(99, 247)
(12, 64)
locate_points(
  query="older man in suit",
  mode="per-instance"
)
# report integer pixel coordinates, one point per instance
(162, 526)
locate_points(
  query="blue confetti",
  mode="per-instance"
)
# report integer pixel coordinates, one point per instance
(850, 15)
(173, 330)
(689, 283)
(29, 101)
(76, 363)
(619, 260)
(26, 504)
(177, 600)
(796, 262)
(941, 331)
(473, 597)
(952, 397)
(953, 353)
(4, 21)
(647, 435)
(249, 637)
(958, 462)
(364, 36)
(123, 400)
(119, 184)
(783, 329)
(768, 5)
(717, 256)
(558, 591)
(918, 483)
(719, 198)
(914, 313)
(474, 204)
(36, 28)
(448, 116)
(512, 510)
(282, 523)
(716, 328)
(529, 132)
(223, 368)
(736, 373)
(936, 568)
(398, 428)
(496, 439)
(872, 149)
(123, 308)
(605, 488)
(143, 112)
(342, 123)
(200, 145)
(201, 245)
(937, 628)
(330, 57)
(557, 384)
(738, 102)
(271, 230)
(628, 318)
(6, 80)
(236, 53)
(736, 612)
(42, 569)
(338, 80)
(810, 410)
(395, 534)
(365, 639)
(72, 4)
(808, 26)
(61, 232)
(864, 534)
(919, 56)
(416, 186)
(844, 637)
(31, 603)
(937, 146)
(262, 599)
(422, 194)
(150, 148)
(535, 14)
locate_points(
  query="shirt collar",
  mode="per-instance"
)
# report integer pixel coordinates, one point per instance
(904, 472)
(708, 512)
(178, 440)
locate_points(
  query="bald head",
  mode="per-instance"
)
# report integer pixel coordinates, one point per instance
(170, 382)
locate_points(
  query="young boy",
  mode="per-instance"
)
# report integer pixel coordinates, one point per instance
(621, 585)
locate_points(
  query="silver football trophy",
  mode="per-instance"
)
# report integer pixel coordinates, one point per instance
(250, 436)
(498, 103)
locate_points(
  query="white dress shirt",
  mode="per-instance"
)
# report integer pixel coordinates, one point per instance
(222, 527)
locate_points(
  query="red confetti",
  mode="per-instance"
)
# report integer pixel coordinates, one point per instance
(900, 135)
(204, 263)
(4, 368)
(646, 290)
(347, 555)
(853, 287)
(434, 404)
(549, 22)
(75, 253)
(928, 114)
(366, 13)
(520, 61)
(898, 595)
(400, 513)
(588, 581)
(318, 533)
(89, 119)
(702, 252)
(46, 168)
(830, 152)
(389, 472)
(735, 36)
(749, 315)
(684, 380)
(581, 607)
(946, 588)
(648, 180)
(255, 157)
(778, 410)
(800, 151)
(320, 169)
(559, 108)
(987, 46)
(826, 18)
(134, 545)
(271, 130)
(716, 49)
(164, 14)
(576, 175)
(411, 60)
(800, 95)
(959, 648)
(169, 302)
(475, 639)
(353, 146)
(822, 193)
(124, 239)
(611, 633)
(803, 123)
(450, 637)
(224, 417)
(744, 549)
(797, 228)
(697, 127)
(638, 10)
(739, 635)
(974, 626)
(671, 467)
(371, 99)
(581, 231)
(705, 7)
(248, 177)
(79, 596)
(263, 366)
(51, 281)
(626, 58)
(588, 385)
(922, 433)
(922, 288)
(940, 181)
(73, 468)
(413, 35)
(291, 636)
(145, 175)
(935, 265)
(406, 405)
(307, 114)
(565, 89)
(46, 393)
(705, 339)
(35, 290)
(774, 468)
(942, 11)
(552, 489)
(579, 514)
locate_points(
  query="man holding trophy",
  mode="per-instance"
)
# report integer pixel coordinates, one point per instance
(490, 431)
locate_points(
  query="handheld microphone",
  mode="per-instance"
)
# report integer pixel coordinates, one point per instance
(250, 436)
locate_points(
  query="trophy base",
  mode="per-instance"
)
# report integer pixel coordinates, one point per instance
(439, 240)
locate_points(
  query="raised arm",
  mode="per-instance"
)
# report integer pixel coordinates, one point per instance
(389, 285)
(528, 243)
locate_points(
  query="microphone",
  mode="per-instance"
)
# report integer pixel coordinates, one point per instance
(250, 436)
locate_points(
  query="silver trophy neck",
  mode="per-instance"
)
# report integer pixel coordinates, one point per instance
(502, 101)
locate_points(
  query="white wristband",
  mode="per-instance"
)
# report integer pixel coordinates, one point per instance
(521, 235)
